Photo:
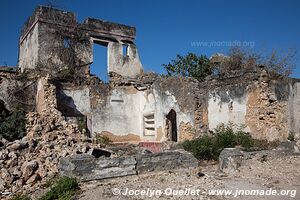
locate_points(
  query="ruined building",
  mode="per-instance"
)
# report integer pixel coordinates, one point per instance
(136, 106)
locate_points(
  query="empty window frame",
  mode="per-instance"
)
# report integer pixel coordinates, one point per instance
(125, 50)
(149, 124)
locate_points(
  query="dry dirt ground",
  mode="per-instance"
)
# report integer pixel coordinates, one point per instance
(282, 173)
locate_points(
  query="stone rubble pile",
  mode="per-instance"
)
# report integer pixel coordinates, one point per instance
(27, 164)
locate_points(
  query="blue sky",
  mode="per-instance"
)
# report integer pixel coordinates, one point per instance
(166, 28)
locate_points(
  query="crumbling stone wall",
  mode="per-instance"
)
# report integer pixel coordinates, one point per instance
(134, 106)
(267, 109)
(121, 112)
(255, 99)
(54, 42)
(17, 89)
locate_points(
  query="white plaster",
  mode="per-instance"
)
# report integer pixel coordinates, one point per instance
(220, 112)
(294, 109)
(28, 50)
(127, 66)
(125, 114)
(81, 98)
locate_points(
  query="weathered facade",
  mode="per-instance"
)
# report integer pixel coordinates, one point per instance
(135, 106)
(53, 37)
(265, 104)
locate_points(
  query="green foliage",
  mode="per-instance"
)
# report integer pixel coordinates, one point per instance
(203, 147)
(13, 127)
(102, 139)
(66, 73)
(209, 147)
(264, 158)
(190, 65)
(224, 137)
(63, 188)
(81, 123)
(291, 136)
(20, 197)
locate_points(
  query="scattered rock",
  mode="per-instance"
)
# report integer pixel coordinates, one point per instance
(289, 147)
(34, 178)
(97, 153)
(16, 145)
(6, 176)
(2, 185)
(200, 174)
(29, 168)
(230, 160)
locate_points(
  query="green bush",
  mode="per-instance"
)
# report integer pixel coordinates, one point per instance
(225, 137)
(102, 139)
(81, 123)
(202, 148)
(13, 127)
(63, 189)
(291, 136)
(209, 147)
(20, 197)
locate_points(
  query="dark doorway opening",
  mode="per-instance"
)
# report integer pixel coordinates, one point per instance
(99, 66)
(171, 125)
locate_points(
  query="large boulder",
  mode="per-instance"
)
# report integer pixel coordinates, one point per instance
(230, 160)
(167, 160)
(86, 167)
(29, 168)
(289, 147)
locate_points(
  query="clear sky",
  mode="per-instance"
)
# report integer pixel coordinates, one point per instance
(169, 27)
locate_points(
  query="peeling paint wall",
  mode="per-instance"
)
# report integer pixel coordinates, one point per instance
(124, 111)
(128, 65)
(81, 99)
(52, 40)
(120, 115)
(294, 108)
(29, 49)
(266, 107)
(226, 106)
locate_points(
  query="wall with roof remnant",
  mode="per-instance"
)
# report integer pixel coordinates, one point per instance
(53, 41)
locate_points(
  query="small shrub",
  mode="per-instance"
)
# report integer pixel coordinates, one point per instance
(291, 136)
(245, 140)
(81, 123)
(263, 144)
(13, 127)
(202, 148)
(63, 188)
(66, 73)
(102, 139)
(20, 197)
(209, 147)
(264, 158)
(225, 136)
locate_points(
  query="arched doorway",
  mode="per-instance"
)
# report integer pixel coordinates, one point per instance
(171, 126)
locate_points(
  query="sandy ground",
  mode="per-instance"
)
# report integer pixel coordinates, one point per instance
(276, 174)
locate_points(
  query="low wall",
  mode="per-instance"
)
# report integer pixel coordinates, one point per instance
(86, 167)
